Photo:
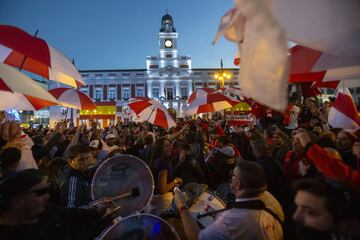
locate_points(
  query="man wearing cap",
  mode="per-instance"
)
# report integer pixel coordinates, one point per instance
(97, 152)
(26, 214)
(256, 214)
(109, 145)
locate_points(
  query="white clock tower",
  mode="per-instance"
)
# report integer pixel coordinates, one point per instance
(169, 74)
(168, 53)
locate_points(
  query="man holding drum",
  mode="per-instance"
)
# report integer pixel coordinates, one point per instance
(75, 181)
(256, 214)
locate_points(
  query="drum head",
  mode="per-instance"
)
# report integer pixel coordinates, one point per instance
(120, 175)
(140, 227)
(193, 191)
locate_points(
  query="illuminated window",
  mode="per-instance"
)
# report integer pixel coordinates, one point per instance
(98, 93)
(139, 92)
(126, 93)
(156, 92)
(112, 93)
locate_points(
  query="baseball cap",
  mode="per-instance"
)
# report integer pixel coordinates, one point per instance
(94, 143)
(110, 135)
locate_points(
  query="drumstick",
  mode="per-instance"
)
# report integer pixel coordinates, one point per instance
(135, 192)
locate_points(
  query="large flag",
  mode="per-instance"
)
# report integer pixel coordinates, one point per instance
(264, 65)
(343, 114)
(329, 26)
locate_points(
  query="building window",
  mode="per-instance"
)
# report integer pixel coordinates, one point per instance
(98, 75)
(153, 66)
(126, 93)
(184, 92)
(139, 92)
(112, 93)
(170, 93)
(168, 55)
(84, 90)
(358, 90)
(184, 66)
(156, 92)
(98, 93)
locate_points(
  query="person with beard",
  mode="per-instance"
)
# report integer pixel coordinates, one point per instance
(325, 210)
(255, 214)
(344, 143)
(109, 144)
(280, 146)
(74, 182)
(26, 214)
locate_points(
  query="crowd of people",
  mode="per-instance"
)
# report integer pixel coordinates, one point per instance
(287, 176)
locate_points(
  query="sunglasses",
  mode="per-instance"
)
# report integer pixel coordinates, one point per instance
(39, 192)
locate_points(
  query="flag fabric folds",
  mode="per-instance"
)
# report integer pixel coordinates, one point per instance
(343, 114)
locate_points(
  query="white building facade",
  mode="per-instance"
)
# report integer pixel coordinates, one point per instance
(168, 77)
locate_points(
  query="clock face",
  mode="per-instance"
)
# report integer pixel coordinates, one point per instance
(168, 43)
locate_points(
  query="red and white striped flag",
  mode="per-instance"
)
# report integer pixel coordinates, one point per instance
(309, 65)
(343, 114)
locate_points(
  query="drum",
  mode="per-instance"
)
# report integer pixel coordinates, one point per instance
(126, 179)
(206, 202)
(140, 227)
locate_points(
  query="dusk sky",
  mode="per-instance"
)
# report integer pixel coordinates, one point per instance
(119, 34)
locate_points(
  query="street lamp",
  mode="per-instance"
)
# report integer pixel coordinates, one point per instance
(222, 75)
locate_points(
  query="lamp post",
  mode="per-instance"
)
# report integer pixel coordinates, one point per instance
(222, 75)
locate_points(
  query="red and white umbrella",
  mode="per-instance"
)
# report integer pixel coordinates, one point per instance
(17, 91)
(152, 111)
(20, 49)
(199, 92)
(133, 99)
(72, 98)
(211, 102)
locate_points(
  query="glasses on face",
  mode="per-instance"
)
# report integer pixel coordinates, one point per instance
(39, 192)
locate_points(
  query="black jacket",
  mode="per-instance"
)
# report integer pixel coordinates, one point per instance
(75, 190)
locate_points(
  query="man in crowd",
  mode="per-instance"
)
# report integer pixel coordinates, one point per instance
(326, 209)
(109, 145)
(26, 214)
(246, 220)
(344, 143)
(74, 182)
